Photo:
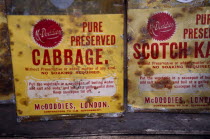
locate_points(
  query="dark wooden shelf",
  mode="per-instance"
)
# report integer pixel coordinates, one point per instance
(131, 124)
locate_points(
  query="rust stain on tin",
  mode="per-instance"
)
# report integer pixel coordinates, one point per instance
(192, 10)
(10, 33)
(89, 99)
(142, 62)
(31, 23)
(130, 19)
(78, 25)
(148, 72)
(133, 102)
(12, 43)
(18, 94)
(129, 38)
(61, 25)
(190, 51)
(16, 79)
(195, 9)
(120, 107)
(116, 97)
(72, 19)
(145, 37)
(19, 112)
(184, 9)
(110, 52)
(138, 73)
(3, 32)
(61, 19)
(177, 15)
(20, 53)
(24, 101)
(189, 64)
(163, 83)
(18, 26)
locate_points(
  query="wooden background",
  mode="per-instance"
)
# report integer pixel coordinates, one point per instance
(131, 124)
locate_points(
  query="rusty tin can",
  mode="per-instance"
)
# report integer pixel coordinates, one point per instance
(6, 76)
(67, 58)
(168, 56)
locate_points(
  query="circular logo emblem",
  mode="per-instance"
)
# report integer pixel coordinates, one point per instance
(161, 26)
(185, 1)
(47, 33)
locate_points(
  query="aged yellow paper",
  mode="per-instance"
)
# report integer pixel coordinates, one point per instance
(67, 64)
(169, 58)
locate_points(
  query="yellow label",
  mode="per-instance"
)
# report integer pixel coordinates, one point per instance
(67, 65)
(169, 58)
